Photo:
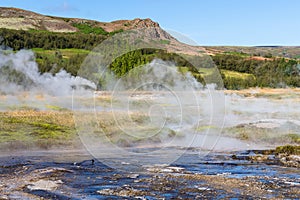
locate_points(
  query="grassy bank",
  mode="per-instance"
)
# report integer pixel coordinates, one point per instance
(22, 129)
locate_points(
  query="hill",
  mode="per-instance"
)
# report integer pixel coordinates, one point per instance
(25, 29)
(18, 19)
(63, 43)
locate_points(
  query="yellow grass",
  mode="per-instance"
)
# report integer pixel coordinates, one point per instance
(239, 75)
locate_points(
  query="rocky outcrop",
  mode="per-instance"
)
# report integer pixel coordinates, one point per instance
(14, 18)
(18, 19)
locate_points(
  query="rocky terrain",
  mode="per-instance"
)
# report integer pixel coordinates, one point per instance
(75, 175)
(14, 18)
(18, 19)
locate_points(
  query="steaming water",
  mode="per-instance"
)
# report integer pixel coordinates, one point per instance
(172, 101)
(79, 178)
(23, 63)
(22, 84)
(243, 109)
(200, 124)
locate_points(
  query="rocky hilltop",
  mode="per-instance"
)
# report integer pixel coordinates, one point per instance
(18, 19)
(14, 18)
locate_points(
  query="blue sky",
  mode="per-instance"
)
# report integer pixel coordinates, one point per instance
(208, 22)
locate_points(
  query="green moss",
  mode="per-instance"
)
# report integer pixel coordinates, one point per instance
(21, 107)
(235, 74)
(165, 41)
(271, 136)
(36, 128)
(56, 108)
(89, 29)
(116, 31)
(294, 137)
(288, 149)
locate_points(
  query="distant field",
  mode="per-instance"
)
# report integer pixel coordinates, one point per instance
(27, 128)
(272, 93)
(66, 53)
(238, 75)
(277, 51)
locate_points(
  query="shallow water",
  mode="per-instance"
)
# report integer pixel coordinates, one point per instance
(65, 174)
(73, 175)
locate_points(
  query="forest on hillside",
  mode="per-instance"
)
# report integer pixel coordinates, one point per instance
(56, 51)
(274, 72)
(20, 39)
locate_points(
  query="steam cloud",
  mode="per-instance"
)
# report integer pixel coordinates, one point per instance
(19, 73)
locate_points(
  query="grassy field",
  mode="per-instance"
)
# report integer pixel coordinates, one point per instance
(66, 53)
(238, 75)
(24, 127)
(281, 51)
(29, 128)
(263, 135)
(270, 93)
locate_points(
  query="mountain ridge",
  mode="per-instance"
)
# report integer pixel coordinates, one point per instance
(24, 20)
(19, 19)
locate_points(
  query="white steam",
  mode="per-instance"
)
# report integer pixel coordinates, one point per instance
(19, 73)
(176, 109)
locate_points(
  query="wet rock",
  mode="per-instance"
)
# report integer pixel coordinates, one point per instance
(123, 192)
(116, 177)
(295, 158)
(52, 170)
(21, 195)
(290, 160)
(292, 183)
(107, 192)
(44, 185)
(285, 155)
(84, 163)
(203, 188)
(164, 169)
(133, 176)
(176, 169)
(4, 197)
(259, 158)
(157, 181)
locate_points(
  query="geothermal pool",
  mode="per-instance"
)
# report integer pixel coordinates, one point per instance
(214, 152)
(74, 175)
(154, 133)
